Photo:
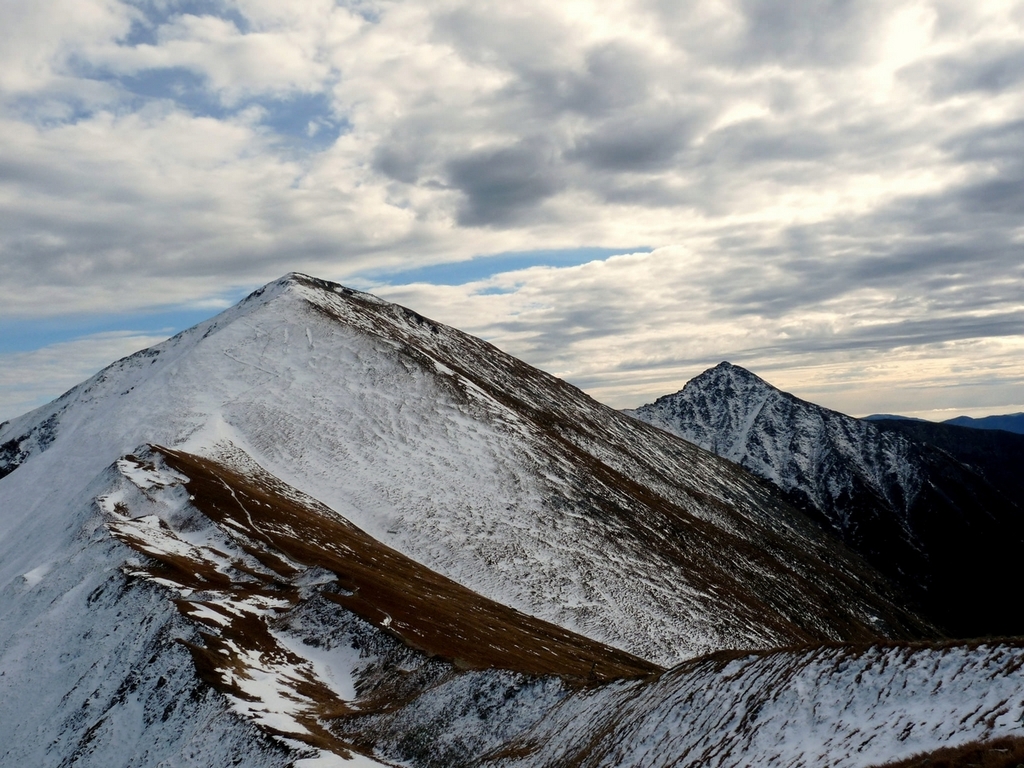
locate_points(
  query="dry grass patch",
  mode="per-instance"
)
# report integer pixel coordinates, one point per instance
(429, 612)
(1000, 753)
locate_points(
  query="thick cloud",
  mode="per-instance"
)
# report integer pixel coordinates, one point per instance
(808, 32)
(988, 69)
(634, 143)
(843, 175)
(504, 184)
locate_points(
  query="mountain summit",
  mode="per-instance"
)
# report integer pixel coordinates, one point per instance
(490, 472)
(935, 524)
(320, 527)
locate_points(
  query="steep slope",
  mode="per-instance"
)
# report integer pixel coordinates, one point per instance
(320, 530)
(933, 523)
(491, 473)
(851, 707)
(995, 454)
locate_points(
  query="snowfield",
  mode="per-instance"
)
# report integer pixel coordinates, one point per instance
(320, 529)
(823, 707)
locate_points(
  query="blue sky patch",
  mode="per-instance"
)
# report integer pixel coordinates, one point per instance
(144, 31)
(305, 118)
(300, 119)
(31, 334)
(483, 267)
(184, 87)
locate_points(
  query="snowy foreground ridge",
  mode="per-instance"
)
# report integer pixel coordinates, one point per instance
(322, 530)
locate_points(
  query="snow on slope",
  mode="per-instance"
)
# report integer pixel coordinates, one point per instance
(91, 673)
(933, 523)
(485, 470)
(850, 707)
(445, 452)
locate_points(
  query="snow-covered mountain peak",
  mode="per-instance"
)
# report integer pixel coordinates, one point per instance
(911, 508)
(725, 378)
(321, 526)
(740, 416)
(716, 409)
(490, 472)
(725, 368)
(730, 372)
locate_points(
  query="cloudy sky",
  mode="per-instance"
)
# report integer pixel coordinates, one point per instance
(624, 192)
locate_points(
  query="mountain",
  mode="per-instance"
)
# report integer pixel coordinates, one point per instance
(876, 706)
(995, 454)
(1013, 422)
(889, 417)
(934, 523)
(322, 530)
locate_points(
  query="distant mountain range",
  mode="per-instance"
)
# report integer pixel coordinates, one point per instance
(1012, 422)
(938, 508)
(322, 530)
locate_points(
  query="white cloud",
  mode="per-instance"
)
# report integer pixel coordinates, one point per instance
(30, 379)
(235, 64)
(837, 172)
(39, 37)
(634, 327)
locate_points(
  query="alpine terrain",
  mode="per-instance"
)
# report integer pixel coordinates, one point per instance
(938, 508)
(322, 530)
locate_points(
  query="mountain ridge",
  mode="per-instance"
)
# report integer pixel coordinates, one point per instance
(321, 527)
(1007, 422)
(913, 508)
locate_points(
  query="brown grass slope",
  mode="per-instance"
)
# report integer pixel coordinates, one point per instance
(998, 753)
(275, 538)
(278, 537)
(427, 611)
